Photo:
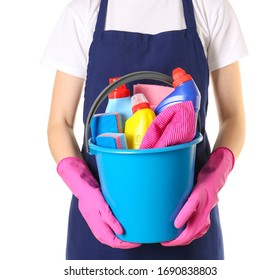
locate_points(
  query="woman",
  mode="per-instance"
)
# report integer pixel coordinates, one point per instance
(199, 36)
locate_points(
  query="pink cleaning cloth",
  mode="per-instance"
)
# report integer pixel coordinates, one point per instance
(154, 93)
(175, 125)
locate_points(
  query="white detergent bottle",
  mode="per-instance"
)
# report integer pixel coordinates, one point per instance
(119, 101)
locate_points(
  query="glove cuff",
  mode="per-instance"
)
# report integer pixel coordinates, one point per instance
(216, 170)
(65, 162)
(225, 154)
(76, 175)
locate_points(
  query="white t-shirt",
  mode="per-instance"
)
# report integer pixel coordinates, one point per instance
(217, 27)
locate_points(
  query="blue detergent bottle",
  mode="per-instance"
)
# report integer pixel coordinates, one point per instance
(119, 101)
(185, 90)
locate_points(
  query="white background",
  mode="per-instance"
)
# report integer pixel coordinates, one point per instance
(34, 201)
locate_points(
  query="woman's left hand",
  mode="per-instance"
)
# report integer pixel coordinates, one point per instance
(195, 214)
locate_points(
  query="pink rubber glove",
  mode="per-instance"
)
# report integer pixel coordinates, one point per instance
(195, 214)
(92, 204)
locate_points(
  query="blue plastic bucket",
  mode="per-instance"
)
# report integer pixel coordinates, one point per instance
(145, 189)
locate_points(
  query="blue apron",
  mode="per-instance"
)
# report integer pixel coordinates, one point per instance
(117, 53)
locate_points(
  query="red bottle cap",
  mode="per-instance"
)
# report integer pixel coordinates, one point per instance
(180, 76)
(138, 102)
(121, 91)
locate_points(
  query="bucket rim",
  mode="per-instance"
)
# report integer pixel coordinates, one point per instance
(93, 149)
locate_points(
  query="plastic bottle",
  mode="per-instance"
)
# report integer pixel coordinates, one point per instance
(137, 125)
(119, 101)
(185, 90)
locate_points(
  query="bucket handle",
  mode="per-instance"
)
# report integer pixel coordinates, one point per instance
(135, 76)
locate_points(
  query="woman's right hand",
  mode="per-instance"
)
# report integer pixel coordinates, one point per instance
(71, 167)
(92, 205)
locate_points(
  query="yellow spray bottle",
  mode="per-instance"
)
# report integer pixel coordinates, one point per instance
(137, 125)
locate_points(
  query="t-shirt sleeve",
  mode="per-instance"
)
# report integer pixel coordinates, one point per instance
(68, 38)
(227, 43)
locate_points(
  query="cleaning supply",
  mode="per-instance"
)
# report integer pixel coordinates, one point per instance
(105, 122)
(146, 189)
(112, 140)
(137, 125)
(174, 125)
(154, 93)
(185, 90)
(92, 204)
(195, 213)
(145, 206)
(119, 101)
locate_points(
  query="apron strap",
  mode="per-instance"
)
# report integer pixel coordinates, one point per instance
(100, 23)
(189, 15)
